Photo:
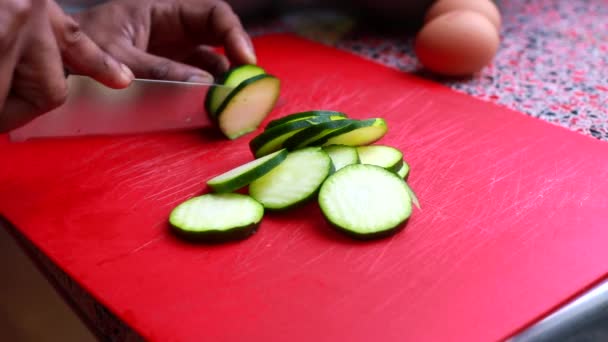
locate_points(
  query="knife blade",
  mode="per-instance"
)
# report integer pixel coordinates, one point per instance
(145, 106)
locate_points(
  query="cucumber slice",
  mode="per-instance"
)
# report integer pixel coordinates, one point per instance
(365, 201)
(404, 171)
(272, 140)
(248, 105)
(243, 175)
(361, 133)
(232, 78)
(295, 181)
(342, 155)
(413, 195)
(303, 116)
(387, 157)
(316, 132)
(217, 217)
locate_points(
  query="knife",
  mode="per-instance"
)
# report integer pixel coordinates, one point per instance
(92, 109)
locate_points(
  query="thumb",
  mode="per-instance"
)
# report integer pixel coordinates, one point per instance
(146, 65)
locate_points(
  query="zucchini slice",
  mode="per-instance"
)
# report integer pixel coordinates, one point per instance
(272, 140)
(404, 170)
(360, 133)
(387, 157)
(248, 105)
(304, 137)
(232, 78)
(303, 116)
(342, 155)
(216, 217)
(365, 201)
(295, 181)
(243, 175)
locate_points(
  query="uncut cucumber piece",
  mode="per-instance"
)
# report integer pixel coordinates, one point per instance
(272, 140)
(362, 132)
(295, 181)
(314, 133)
(216, 217)
(303, 116)
(248, 105)
(404, 170)
(243, 175)
(365, 201)
(387, 157)
(342, 155)
(232, 78)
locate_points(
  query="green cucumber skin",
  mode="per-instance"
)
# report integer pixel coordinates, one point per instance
(395, 168)
(356, 124)
(244, 180)
(295, 141)
(274, 133)
(217, 236)
(223, 80)
(370, 236)
(302, 116)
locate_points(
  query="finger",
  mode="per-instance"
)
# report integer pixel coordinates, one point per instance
(206, 58)
(39, 83)
(146, 65)
(219, 25)
(82, 56)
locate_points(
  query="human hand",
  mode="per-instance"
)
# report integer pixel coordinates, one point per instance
(169, 39)
(38, 42)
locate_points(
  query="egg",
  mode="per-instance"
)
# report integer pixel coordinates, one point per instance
(485, 7)
(457, 43)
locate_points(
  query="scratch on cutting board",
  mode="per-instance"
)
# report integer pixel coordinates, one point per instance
(383, 251)
(146, 244)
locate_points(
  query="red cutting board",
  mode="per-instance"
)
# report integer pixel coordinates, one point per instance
(513, 220)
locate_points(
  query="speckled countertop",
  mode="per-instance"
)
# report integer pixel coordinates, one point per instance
(552, 63)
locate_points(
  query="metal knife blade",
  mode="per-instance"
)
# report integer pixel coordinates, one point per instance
(145, 106)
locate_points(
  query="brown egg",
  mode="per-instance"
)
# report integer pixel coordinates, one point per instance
(457, 43)
(486, 7)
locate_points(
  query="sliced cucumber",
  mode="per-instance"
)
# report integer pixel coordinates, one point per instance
(243, 175)
(232, 78)
(404, 171)
(248, 105)
(387, 157)
(303, 116)
(272, 140)
(217, 217)
(296, 180)
(304, 137)
(342, 155)
(365, 201)
(363, 132)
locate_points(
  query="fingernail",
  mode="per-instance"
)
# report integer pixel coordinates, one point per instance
(126, 72)
(200, 78)
(248, 48)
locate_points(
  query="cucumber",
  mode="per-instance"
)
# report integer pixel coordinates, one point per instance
(304, 137)
(248, 105)
(232, 78)
(295, 181)
(243, 175)
(272, 140)
(342, 155)
(365, 201)
(303, 116)
(387, 157)
(214, 218)
(404, 171)
(362, 132)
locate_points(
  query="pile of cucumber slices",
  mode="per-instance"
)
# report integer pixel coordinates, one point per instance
(326, 156)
